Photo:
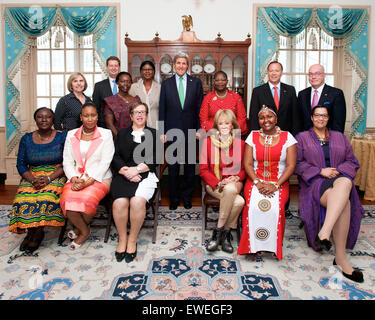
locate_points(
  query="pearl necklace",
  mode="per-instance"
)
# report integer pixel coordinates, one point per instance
(268, 139)
(223, 96)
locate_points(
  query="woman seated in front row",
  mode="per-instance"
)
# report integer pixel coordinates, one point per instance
(134, 182)
(221, 168)
(328, 201)
(37, 202)
(87, 156)
(269, 161)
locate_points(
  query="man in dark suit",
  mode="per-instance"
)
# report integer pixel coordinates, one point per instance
(279, 95)
(106, 87)
(322, 94)
(180, 100)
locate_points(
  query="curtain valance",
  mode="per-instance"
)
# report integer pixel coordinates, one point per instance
(349, 27)
(24, 24)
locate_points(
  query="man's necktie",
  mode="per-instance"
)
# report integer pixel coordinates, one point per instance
(114, 91)
(181, 93)
(276, 98)
(315, 99)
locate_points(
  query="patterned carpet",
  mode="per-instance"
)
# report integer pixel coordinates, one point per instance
(177, 267)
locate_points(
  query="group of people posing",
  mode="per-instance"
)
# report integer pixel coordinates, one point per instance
(90, 148)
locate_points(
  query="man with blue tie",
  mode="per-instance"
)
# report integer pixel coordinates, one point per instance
(279, 95)
(180, 100)
(106, 87)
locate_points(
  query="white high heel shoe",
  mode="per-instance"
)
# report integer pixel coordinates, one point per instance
(73, 246)
(72, 235)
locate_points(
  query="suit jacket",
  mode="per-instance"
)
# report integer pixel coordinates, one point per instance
(102, 90)
(288, 114)
(331, 97)
(99, 156)
(137, 89)
(170, 110)
(124, 150)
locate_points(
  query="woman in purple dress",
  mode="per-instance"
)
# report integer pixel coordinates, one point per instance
(116, 109)
(328, 201)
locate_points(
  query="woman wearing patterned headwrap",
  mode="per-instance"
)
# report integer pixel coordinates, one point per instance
(269, 160)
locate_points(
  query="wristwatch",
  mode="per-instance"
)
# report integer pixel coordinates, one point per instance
(255, 181)
(138, 169)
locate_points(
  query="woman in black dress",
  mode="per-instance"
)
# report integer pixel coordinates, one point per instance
(134, 181)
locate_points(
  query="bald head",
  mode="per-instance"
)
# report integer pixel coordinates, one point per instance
(316, 75)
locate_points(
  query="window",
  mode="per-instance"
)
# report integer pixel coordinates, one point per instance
(298, 53)
(59, 53)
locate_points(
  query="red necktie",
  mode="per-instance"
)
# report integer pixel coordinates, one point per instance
(276, 98)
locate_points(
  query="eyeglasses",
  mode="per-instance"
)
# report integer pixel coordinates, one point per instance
(147, 70)
(139, 113)
(220, 80)
(315, 74)
(318, 115)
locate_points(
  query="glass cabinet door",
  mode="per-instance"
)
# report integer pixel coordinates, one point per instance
(196, 65)
(239, 76)
(134, 68)
(166, 67)
(227, 67)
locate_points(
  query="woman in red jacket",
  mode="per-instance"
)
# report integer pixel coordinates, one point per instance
(222, 98)
(222, 170)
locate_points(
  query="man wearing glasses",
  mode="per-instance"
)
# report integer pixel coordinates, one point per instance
(322, 94)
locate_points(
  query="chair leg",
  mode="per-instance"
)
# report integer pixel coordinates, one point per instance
(204, 222)
(62, 233)
(239, 228)
(108, 227)
(155, 211)
(109, 219)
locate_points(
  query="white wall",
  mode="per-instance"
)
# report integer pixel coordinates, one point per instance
(233, 19)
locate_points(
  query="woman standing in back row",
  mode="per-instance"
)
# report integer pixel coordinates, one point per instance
(222, 98)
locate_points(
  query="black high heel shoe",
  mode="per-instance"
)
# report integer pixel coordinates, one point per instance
(324, 244)
(120, 256)
(356, 276)
(36, 239)
(129, 257)
(25, 242)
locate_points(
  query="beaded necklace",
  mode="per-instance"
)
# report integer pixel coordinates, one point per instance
(268, 139)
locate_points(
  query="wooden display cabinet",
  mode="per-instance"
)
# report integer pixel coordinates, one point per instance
(205, 57)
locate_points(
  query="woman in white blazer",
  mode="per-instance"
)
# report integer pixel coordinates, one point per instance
(87, 156)
(148, 90)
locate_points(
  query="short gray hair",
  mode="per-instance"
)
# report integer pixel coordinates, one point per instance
(181, 54)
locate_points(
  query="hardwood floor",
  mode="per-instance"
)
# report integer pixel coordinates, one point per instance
(8, 192)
